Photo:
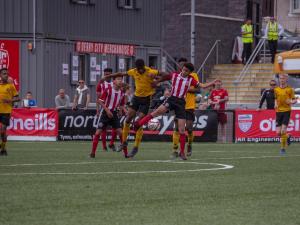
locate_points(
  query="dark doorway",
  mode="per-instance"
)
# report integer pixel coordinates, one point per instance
(253, 13)
(82, 67)
(267, 8)
(153, 61)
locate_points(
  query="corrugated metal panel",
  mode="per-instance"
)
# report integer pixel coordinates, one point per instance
(31, 71)
(41, 70)
(104, 21)
(16, 16)
(57, 53)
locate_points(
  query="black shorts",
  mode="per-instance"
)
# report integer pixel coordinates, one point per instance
(105, 121)
(190, 114)
(282, 118)
(176, 104)
(5, 118)
(140, 104)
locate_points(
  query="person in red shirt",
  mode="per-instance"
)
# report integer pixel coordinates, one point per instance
(218, 98)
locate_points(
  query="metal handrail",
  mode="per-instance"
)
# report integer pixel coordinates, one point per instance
(170, 57)
(208, 55)
(250, 61)
(236, 82)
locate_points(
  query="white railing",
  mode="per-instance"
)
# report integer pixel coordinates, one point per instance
(168, 58)
(201, 68)
(261, 44)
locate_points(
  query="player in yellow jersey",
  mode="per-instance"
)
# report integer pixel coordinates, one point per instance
(284, 98)
(190, 106)
(144, 78)
(8, 95)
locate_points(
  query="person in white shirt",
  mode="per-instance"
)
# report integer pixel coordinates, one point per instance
(272, 32)
(82, 96)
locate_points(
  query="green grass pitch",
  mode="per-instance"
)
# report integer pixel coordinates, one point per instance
(58, 184)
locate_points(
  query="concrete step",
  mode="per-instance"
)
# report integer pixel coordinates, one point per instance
(238, 72)
(248, 90)
(245, 93)
(253, 82)
(245, 88)
(242, 102)
(240, 66)
(246, 79)
(241, 92)
(242, 99)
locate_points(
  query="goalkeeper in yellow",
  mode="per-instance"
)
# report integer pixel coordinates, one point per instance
(284, 98)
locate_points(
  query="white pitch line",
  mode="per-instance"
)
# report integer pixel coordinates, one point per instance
(140, 161)
(107, 162)
(251, 157)
(220, 167)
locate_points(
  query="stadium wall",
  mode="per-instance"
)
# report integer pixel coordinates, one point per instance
(60, 24)
(42, 70)
(214, 20)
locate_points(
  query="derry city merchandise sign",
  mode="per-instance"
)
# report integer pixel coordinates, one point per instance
(104, 48)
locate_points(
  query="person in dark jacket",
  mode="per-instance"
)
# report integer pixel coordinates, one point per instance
(268, 96)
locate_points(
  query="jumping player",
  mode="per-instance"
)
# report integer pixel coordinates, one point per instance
(140, 103)
(181, 82)
(284, 98)
(111, 99)
(190, 105)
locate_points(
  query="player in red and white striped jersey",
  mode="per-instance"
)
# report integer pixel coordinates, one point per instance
(181, 82)
(111, 100)
(101, 86)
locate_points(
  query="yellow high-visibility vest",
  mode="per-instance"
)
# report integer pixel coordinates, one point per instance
(272, 31)
(247, 38)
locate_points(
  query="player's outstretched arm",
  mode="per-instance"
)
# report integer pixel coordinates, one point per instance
(114, 75)
(194, 89)
(206, 85)
(163, 76)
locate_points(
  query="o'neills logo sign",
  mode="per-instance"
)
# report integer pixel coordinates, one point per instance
(39, 122)
(35, 122)
(104, 48)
